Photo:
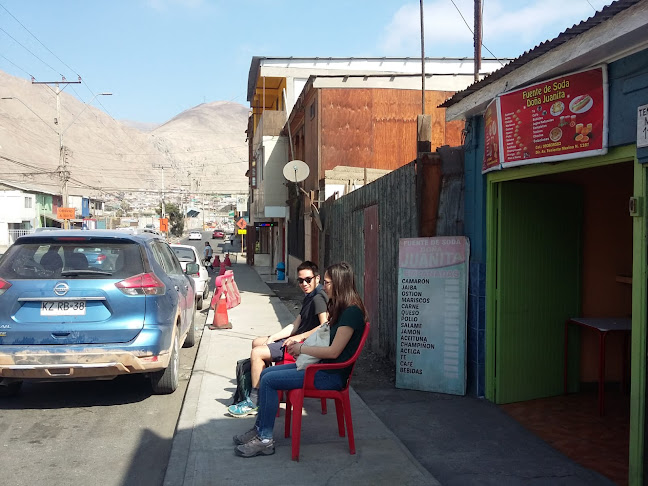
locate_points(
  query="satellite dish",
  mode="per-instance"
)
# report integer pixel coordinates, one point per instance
(316, 216)
(296, 171)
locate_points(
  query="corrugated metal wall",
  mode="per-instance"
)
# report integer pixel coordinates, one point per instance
(396, 196)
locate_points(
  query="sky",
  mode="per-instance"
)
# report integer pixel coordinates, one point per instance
(161, 57)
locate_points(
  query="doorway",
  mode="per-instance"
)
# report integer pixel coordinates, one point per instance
(561, 245)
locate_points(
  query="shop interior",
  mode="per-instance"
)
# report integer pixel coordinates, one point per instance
(572, 422)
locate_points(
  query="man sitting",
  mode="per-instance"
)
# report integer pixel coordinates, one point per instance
(265, 349)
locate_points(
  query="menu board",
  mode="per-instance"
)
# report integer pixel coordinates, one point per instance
(558, 119)
(432, 296)
(491, 138)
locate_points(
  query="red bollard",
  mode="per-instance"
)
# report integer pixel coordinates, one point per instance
(222, 269)
(228, 262)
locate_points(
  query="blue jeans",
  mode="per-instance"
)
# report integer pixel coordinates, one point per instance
(285, 377)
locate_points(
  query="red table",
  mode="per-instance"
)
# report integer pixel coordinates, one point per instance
(603, 325)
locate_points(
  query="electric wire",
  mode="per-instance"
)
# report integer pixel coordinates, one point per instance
(473, 33)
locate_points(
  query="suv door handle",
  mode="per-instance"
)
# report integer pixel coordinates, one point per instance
(177, 288)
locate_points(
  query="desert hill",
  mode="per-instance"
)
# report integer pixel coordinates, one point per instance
(202, 149)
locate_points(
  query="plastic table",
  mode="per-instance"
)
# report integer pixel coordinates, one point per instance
(603, 325)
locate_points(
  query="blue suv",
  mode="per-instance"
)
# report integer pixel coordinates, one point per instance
(63, 317)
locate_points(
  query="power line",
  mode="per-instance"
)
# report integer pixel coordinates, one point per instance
(471, 31)
(17, 42)
(48, 49)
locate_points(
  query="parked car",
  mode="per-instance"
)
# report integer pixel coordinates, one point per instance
(218, 234)
(64, 319)
(195, 235)
(188, 254)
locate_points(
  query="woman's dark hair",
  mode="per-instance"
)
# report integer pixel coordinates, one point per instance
(344, 292)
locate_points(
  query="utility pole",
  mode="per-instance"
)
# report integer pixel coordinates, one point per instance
(62, 168)
(478, 37)
(163, 215)
(422, 62)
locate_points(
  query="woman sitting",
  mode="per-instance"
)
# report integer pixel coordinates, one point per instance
(347, 317)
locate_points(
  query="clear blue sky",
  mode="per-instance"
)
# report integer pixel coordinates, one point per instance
(161, 57)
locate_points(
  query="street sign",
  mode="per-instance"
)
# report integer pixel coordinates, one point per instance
(164, 225)
(241, 223)
(65, 213)
(242, 232)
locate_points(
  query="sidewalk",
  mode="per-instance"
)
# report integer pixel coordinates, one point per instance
(402, 436)
(203, 452)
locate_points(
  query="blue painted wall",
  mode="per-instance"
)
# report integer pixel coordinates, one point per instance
(628, 89)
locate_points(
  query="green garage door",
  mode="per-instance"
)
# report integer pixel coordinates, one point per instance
(538, 286)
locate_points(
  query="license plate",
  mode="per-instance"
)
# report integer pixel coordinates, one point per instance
(63, 308)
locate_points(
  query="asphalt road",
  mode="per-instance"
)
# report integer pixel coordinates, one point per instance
(108, 433)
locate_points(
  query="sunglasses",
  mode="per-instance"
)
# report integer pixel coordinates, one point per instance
(307, 280)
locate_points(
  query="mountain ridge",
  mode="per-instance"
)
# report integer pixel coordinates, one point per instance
(203, 147)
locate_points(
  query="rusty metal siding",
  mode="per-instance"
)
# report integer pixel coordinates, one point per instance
(398, 217)
(374, 128)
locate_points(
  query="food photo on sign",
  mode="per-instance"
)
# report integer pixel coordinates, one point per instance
(558, 119)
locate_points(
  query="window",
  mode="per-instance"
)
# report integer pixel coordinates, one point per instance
(28, 202)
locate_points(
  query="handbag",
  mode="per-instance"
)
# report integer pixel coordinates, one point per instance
(321, 337)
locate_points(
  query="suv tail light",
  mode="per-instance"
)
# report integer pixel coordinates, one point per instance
(101, 258)
(142, 284)
(4, 285)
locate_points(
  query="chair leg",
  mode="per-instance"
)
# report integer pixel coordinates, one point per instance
(281, 396)
(324, 409)
(288, 416)
(349, 422)
(296, 426)
(339, 411)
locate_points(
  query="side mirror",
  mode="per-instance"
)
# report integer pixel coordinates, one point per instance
(192, 268)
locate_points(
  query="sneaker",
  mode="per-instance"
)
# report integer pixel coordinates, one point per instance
(246, 437)
(256, 447)
(243, 409)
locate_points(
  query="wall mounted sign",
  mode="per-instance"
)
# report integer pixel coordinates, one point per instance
(558, 119)
(432, 297)
(642, 126)
(491, 138)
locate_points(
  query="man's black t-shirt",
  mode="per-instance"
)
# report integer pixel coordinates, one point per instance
(313, 305)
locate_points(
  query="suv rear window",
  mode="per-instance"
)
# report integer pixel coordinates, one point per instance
(72, 259)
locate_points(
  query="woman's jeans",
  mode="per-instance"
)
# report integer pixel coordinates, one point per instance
(285, 377)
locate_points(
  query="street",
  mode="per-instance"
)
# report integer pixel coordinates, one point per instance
(114, 432)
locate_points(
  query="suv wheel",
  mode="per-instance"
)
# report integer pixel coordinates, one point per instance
(190, 340)
(165, 381)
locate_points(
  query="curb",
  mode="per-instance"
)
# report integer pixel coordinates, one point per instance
(181, 442)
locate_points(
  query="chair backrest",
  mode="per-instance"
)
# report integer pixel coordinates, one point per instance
(52, 261)
(356, 355)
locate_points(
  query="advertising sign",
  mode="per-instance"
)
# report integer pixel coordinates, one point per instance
(491, 138)
(432, 311)
(562, 118)
(65, 213)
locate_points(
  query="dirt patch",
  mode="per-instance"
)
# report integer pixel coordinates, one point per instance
(371, 372)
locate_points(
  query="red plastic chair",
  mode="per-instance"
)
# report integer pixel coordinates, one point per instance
(295, 399)
(288, 358)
